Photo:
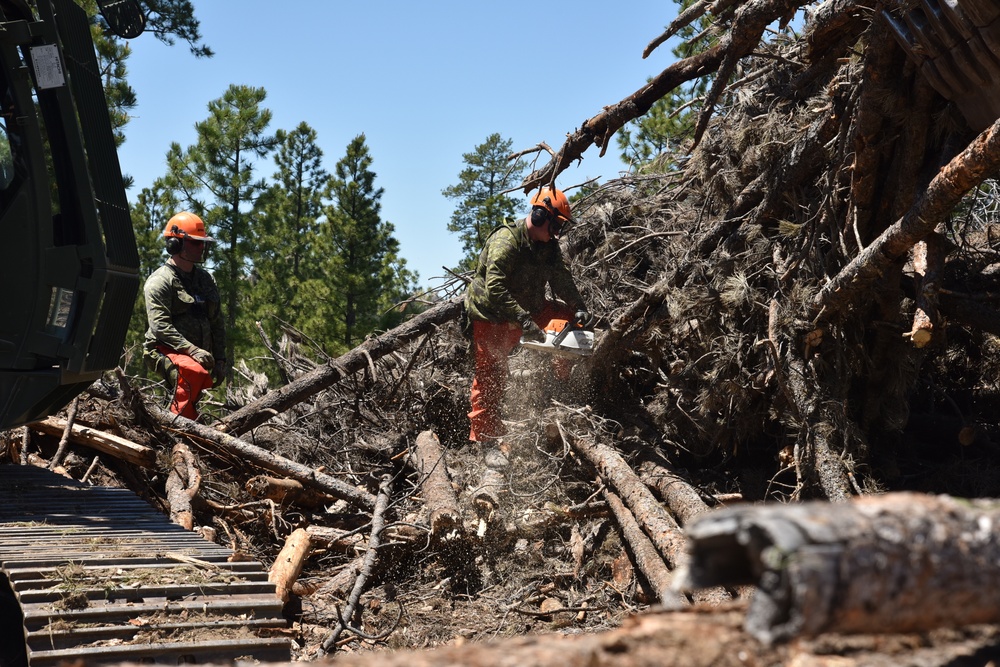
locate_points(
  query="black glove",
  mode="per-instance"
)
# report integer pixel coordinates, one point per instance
(531, 331)
(219, 372)
(584, 318)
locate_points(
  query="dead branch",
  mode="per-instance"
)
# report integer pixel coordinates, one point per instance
(275, 402)
(378, 523)
(663, 531)
(683, 499)
(309, 477)
(647, 560)
(965, 171)
(57, 458)
(901, 562)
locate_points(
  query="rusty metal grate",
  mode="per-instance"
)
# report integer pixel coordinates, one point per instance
(101, 576)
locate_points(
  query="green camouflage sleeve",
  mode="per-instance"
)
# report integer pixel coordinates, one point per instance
(499, 275)
(158, 292)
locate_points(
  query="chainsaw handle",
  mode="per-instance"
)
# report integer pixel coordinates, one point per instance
(561, 336)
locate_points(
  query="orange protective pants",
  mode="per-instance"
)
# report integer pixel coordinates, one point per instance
(493, 342)
(192, 379)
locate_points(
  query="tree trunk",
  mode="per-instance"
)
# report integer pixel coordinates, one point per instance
(978, 161)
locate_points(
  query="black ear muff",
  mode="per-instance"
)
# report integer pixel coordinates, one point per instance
(174, 245)
(539, 216)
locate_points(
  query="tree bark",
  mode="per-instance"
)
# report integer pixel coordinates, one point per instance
(902, 562)
(647, 560)
(683, 499)
(265, 459)
(378, 524)
(427, 458)
(658, 524)
(275, 402)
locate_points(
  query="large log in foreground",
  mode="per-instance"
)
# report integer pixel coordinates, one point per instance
(901, 562)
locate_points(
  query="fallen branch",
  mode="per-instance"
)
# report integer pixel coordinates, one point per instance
(182, 485)
(427, 458)
(647, 560)
(978, 161)
(105, 443)
(275, 402)
(378, 523)
(261, 457)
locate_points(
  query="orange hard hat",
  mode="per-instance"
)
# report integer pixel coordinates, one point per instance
(185, 225)
(554, 201)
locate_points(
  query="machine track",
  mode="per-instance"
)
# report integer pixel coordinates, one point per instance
(96, 574)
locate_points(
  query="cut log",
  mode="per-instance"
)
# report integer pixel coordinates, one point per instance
(267, 460)
(902, 562)
(106, 443)
(182, 485)
(683, 499)
(275, 402)
(288, 565)
(647, 560)
(428, 459)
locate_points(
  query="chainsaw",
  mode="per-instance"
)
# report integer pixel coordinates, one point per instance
(564, 338)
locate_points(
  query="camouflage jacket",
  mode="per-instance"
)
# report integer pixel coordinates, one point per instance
(511, 275)
(183, 311)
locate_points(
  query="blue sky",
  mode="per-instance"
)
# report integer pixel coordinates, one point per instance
(424, 81)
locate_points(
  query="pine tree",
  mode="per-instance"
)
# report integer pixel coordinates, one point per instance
(481, 194)
(291, 287)
(367, 267)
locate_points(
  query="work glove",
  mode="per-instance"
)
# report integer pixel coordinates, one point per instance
(584, 318)
(219, 372)
(531, 331)
(203, 357)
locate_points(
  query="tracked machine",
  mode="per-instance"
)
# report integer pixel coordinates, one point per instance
(88, 573)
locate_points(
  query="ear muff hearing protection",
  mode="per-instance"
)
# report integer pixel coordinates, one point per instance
(539, 216)
(174, 245)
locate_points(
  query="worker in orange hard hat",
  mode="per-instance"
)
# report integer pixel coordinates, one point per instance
(506, 300)
(186, 339)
